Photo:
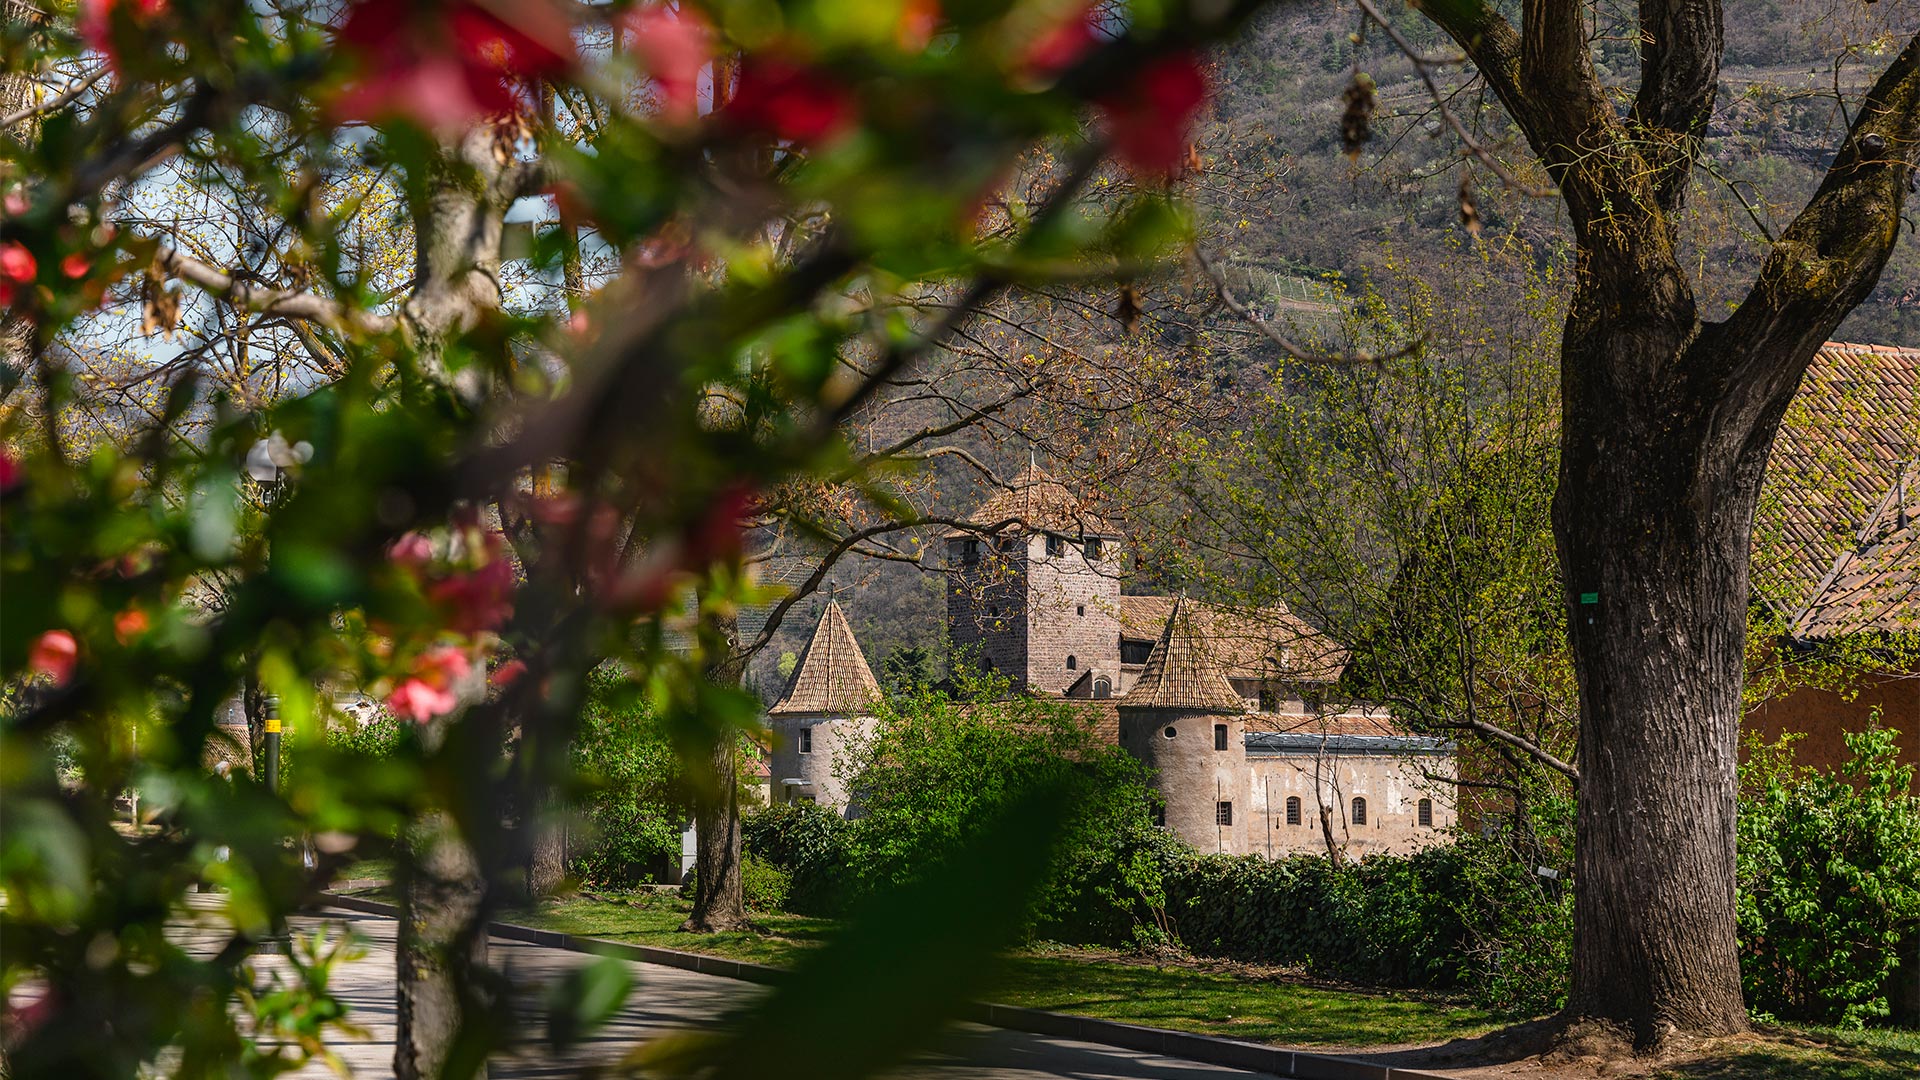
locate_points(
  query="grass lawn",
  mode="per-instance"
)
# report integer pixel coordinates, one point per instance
(1809, 1054)
(1233, 1003)
(1171, 996)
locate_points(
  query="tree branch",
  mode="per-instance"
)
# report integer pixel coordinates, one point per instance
(299, 305)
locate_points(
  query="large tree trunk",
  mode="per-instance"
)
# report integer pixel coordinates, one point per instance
(719, 900)
(1653, 517)
(442, 946)
(441, 951)
(546, 848)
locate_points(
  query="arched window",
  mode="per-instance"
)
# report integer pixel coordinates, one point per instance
(1359, 811)
(1072, 663)
(1293, 809)
(1426, 812)
(1102, 688)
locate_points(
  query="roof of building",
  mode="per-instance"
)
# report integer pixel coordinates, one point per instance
(1837, 540)
(1269, 642)
(832, 676)
(1182, 673)
(1304, 742)
(1038, 502)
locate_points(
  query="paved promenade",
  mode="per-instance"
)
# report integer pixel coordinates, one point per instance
(665, 999)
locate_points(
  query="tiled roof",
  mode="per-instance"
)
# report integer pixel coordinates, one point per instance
(1836, 542)
(1041, 504)
(832, 676)
(1248, 643)
(1181, 673)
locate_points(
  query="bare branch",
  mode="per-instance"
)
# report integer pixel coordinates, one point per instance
(300, 305)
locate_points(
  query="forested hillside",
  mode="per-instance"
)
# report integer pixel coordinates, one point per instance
(1299, 230)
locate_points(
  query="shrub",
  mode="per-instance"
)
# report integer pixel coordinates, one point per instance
(1470, 913)
(1829, 879)
(635, 800)
(939, 764)
(763, 885)
(810, 843)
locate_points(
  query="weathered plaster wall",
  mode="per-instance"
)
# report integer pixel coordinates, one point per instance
(1190, 774)
(818, 771)
(1391, 785)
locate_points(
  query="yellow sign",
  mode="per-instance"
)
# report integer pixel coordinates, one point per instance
(273, 726)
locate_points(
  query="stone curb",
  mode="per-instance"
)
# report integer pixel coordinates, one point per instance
(1209, 1049)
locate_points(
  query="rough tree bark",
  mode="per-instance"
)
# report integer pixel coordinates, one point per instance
(719, 898)
(1667, 424)
(440, 953)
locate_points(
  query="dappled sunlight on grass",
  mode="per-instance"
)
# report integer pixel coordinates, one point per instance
(1811, 1053)
(1260, 1009)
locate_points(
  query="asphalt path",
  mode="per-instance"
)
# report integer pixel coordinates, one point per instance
(669, 999)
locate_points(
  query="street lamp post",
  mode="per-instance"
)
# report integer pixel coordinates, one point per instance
(266, 460)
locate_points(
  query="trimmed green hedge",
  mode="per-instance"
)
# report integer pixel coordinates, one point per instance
(1461, 915)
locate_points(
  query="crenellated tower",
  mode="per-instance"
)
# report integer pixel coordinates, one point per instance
(1034, 588)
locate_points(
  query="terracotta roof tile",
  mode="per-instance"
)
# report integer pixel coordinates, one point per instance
(1042, 504)
(1181, 673)
(1835, 544)
(1249, 643)
(832, 676)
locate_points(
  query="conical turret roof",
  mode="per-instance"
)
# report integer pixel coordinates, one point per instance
(1042, 504)
(1181, 673)
(832, 676)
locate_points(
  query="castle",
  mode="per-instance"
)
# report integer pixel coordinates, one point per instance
(1223, 705)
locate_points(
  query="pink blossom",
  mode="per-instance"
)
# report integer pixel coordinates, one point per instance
(53, 655)
(1151, 119)
(76, 265)
(507, 674)
(789, 100)
(478, 601)
(431, 690)
(1062, 47)
(919, 21)
(413, 550)
(447, 63)
(9, 470)
(17, 263)
(717, 535)
(15, 203)
(415, 700)
(97, 19)
(130, 624)
(673, 46)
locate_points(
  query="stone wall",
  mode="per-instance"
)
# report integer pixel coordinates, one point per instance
(986, 610)
(1072, 611)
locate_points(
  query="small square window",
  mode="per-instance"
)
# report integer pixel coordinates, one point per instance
(1093, 550)
(1083, 610)
(1223, 813)
(1056, 547)
(806, 740)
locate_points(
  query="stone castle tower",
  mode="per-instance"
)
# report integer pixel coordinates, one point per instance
(1035, 595)
(1186, 721)
(827, 705)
